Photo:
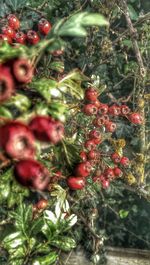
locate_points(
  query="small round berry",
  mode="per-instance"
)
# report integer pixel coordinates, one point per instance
(135, 118)
(83, 156)
(114, 110)
(98, 122)
(103, 109)
(97, 103)
(83, 169)
(90, 109)
(23, 70)
(13, 21)
(90, 144)
(42, 204)
(118, 172)
(115, 158)
(32, 174)
(111, 127)
(8, 31)
(91, 94)
(44, 26)
(109, 173)
(125, 161)
(125, 109)
(76, 183)
(96, 136)
(105, 184)
(58, 53)
(20, 37)
(33, 37)
(93, 155)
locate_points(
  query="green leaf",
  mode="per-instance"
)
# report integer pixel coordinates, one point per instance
(64, 243)
(20, 101)
(16, 4)
(13, 240)
(4, 112)
(132, 12)
(45, 260)
(123, 214)
(58, 66)
(94, 19)
(37, 225)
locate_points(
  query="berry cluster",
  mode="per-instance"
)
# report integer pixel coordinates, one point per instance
(92, 159)
(18, 140)
(12, 34)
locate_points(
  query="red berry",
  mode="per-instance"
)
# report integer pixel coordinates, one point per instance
(93, 155)
(20, 37)
(97, 103)
(90, 109)
(17, 140)
(125, 110)
(105, 184)
(135, 118)
(42, 204)
(110, 126)
(90, 144)
(58, 53)
(23, 70)
(8, 31)
(76, 183)
(32, 174)
(109, 173)
(91, 94)
(44, 26)
(125, 161)
(83, 156)
(99, 178)
(6, 38)
(103, 109)
(33, 37)
(115, 158)
(114, 110)
(13, 21)
(99, 121)
(6, 84)
(118, 172)
(96, 179)
(96, 136)
(83, 169)
(47, 129)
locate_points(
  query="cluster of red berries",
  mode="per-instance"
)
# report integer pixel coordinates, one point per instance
(102, 112)
(12, 34)
(18, 141)
(92, 157)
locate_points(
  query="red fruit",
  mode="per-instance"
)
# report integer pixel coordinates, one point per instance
(58, 53)
(46, 129)
(109, 173)
(13, 21)
(17, 140)
(99, 121)
(125, 161)
(110, 126)
(105, 184)
(76, 183)
(99, 178)
(103, 109)
(33, 37)
(32, 174)
(23, 70)
(125, 110)
(118, 172)
(135, 118)
(96, 179)
(91, 94)
(115, 158)
(8, 31)
(90, 144)
(83, 169)
(4, 37)
(97, 103)
(44, 26)
(114, 110)
(90, 109)
(42, 204)
(6, 84)
(96, 136)
(83, 156)
(20, 37)
(93, 155)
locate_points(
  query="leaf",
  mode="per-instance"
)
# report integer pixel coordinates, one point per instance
(45, 260)
(94, 19)
(58, 66)
(123, 214)
(20, 101)
(37, 225)
(4, 112)
(64, 243)
(16, 4)
(13, 240)
(132, 12)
